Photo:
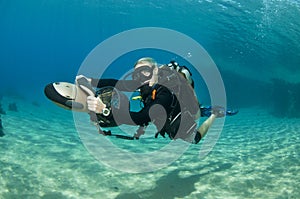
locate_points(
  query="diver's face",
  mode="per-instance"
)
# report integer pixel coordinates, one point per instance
(143, 73)
(144, 70)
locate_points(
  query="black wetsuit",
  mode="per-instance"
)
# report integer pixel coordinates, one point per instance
(160, 109)
(163, 97)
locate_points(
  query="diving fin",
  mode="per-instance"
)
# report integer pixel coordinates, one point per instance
(206, 111)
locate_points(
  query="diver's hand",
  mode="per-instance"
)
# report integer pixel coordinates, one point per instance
(84, 84)
(95, 104)
(82, 76)
(219, 111)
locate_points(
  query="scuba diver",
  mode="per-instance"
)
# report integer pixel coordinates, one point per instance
(1, 112)
(168, 100)
(1, 128)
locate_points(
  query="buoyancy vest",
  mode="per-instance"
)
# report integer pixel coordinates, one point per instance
(184, 104)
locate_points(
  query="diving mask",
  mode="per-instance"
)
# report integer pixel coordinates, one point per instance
(143, 73)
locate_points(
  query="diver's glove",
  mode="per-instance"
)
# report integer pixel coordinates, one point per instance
(96, 105)
(219, 111)
(89, 80)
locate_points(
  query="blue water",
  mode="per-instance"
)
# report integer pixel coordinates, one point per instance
(255, 46)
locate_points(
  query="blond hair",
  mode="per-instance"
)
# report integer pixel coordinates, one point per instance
(146, 60)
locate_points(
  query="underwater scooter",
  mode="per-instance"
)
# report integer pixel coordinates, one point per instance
(74, 96)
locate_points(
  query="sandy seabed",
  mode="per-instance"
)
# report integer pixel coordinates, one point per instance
(42, 156)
